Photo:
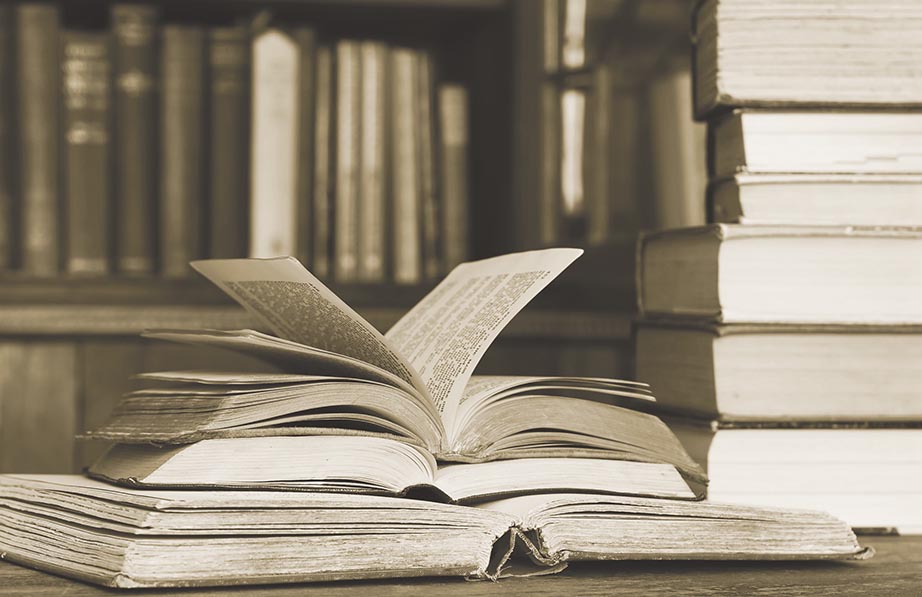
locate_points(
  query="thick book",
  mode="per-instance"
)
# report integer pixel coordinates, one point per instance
(182, 159)
(791, 53)
(86, 105)
(8, 193)
(38, 78)
(405, 163)
(323, 160)
(817, 199)
(782, 372)
(383, 408)
(347, 182)
(784, 274)
(429, 174)
(843, 142)
(274, 159)
(372, 217)
(135, 80)
(229, 145)
(864, 474)
(124, 538)
(454, 225)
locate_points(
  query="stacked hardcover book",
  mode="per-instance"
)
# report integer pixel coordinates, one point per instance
(362, 455)
(788, 334)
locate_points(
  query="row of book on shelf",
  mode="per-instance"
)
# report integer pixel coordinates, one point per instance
(149, 144)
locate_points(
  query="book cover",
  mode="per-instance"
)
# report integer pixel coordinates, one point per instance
(346, 207)
(372, 217)
(324, 152)
(229, 146)
(306, 38)
(182, 171)
(86, 100)
(37, 67)
(135, 78)
(274, 159)
(454, 224)
(405, 164)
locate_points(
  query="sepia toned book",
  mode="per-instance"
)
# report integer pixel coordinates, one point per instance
(782, 274)
(762, 372)
(275, 113)
(85, 67)
(130, 538)
(382, 409)
(868, 199)
(38, 52)
(136, 80)
(348, 163)
(815, 142)
(405, 162)
(182, 145)
(229, 140)
(863, 473)
(324, 159)
(373, 181)
(791, 53)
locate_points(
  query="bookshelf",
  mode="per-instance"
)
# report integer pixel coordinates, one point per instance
(71, 340)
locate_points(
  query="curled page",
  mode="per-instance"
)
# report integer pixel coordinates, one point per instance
(444, 336)
(296, 306)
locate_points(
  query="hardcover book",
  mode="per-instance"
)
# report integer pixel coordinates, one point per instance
(134, 539)
(376, 411)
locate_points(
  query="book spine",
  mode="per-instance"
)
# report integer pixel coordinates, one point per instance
(273, 186)
(229, 92)
(427, 169)
(7, 154)
(348, 146)
(135, 155)
(324, 138)
(405, 168)
(85, 92)
(37, 56)
(454, 122)
(306, 39)
(181, 177)
(373, 181)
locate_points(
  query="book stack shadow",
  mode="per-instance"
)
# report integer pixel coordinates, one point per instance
(357, 454)
(783, 340)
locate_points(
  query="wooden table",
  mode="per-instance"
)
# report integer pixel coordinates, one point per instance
(895, 570)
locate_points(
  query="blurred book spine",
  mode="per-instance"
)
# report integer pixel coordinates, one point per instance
(348, 153)
(306, 38)
(86, 99)
(453, 118)
(7, 154)
(135, 29)
(229, 92)
(405, 167)
(428, 184)
(324, 150)
(273, 187)
(373, 184)
(37, 62)
(181, 148)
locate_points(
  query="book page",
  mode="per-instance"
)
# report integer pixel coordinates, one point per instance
(444, 336)
(296, 306)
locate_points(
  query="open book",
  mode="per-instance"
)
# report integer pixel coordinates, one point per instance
(350, 409)
(120, 537)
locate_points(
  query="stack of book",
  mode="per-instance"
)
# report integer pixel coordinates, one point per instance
(140, 145)
(789, 332)
(351, 425)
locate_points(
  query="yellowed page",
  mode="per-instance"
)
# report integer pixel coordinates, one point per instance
(444, 336)
(296, 306)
